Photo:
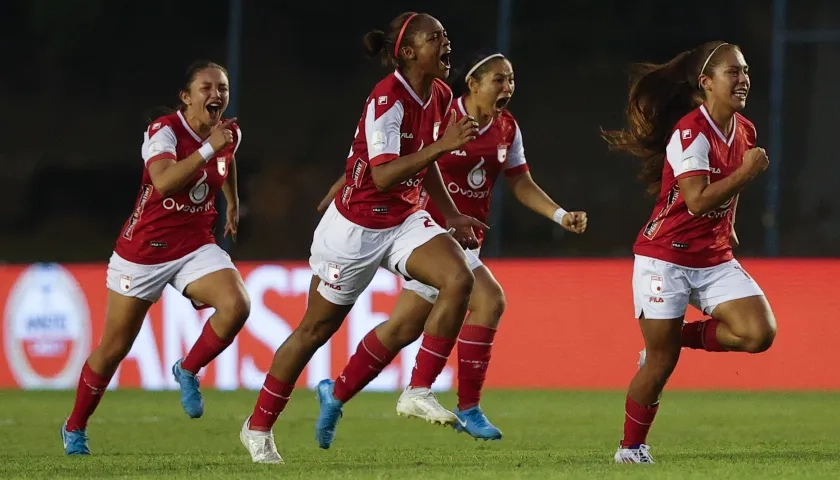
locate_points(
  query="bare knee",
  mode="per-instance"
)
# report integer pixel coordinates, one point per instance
(760, 338)
(316, 329)
(458, 283)
(401, 333)
(235, 309)
(488, 301)
(660, 362)
(111, 351)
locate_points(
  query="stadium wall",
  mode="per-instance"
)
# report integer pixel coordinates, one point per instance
(569, 325)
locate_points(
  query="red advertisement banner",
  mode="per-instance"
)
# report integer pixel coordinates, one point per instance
(569, 325)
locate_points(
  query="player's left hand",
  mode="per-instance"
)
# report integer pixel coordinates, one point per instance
(232, 222)
(733, 239)
(461, 227)
(574, 222)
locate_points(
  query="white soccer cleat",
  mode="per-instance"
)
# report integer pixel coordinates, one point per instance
(635, 454)
(422, 403)
(259, 444)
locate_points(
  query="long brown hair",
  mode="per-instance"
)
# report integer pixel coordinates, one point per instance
(660, 95)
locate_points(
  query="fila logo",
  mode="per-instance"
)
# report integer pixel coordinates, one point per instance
(407, 135)
(686, 134)
(459, 153)
(714, 170)
(382, 100)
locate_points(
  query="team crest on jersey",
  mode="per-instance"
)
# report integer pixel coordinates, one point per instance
(501, 153)
(435, 131)
(333, 271)
(221, 165)
(656, 284)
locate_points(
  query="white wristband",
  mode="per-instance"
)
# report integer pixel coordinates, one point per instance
(206, 152)
(558, 215)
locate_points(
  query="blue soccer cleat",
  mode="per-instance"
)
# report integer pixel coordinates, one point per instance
(75, 442)
(191, 398)
(329, 414)
(474, 422)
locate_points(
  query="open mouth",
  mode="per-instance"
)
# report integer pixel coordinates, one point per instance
(214, 109)
(445, 59)
(740, 92)
(502, 103)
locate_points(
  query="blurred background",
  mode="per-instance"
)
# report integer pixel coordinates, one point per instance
(79, 76)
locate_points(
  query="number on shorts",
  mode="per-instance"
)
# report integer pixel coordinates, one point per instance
(428, 223)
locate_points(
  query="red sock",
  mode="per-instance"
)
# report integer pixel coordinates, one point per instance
(365, 365)
(88, 394)
(206, 348)
(434, 351)
(702, 336)
(474, 344)
(637, 421)
(273, 398)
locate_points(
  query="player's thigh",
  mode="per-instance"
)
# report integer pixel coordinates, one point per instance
(424, 251)
(124, 317)
(719, 286)
(346, 256)
(208, 277)
(660, 289)
(728, 293)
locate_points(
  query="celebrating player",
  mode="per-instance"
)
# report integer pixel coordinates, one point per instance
(469, 174)
(376, 220)
(699, 153)
(168, 239)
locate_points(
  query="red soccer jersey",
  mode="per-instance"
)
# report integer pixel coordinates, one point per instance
(697, 147)
(162, 229)
(470, 173)
(395, 122)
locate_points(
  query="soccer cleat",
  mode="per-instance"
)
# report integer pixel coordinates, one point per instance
(633, 454)
(422, 403)
(191, 398)
(329, 414)
(474, 422)
(75, 442)
(259, 444)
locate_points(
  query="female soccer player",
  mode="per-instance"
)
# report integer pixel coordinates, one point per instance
(376, 219)
(168, 240)
(699, 153)
(469, 174)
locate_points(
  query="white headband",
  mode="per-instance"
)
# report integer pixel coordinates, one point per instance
(706, 63)
(482, 62)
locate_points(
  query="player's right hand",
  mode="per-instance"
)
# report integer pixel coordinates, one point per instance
(458, 133)
(222, 135)
(755, 161)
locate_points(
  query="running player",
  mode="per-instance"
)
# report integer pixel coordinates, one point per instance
(699, 153)
(469, 174)
(376, 219)
(168, 240)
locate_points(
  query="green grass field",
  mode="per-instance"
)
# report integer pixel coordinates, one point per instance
(547, 435)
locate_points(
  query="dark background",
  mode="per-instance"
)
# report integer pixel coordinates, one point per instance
(78, 77)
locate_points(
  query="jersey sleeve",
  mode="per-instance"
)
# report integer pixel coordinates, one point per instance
(383, 119)
(159, 143)
(688, 152)
(515, 162)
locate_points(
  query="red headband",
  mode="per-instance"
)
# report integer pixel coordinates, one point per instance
(402, 31)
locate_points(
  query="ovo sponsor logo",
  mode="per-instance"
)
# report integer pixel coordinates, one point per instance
(46, 328)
